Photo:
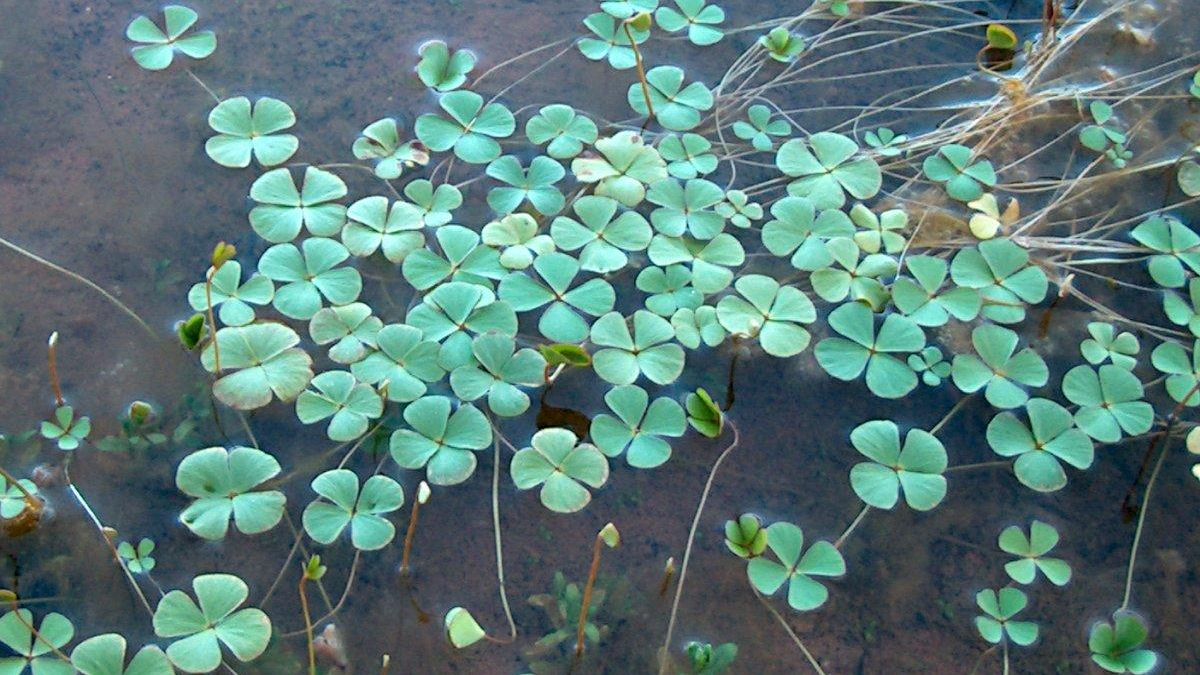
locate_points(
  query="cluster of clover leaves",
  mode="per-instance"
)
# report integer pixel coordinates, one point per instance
(610, 250)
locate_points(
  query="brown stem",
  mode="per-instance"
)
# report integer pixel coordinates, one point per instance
(409, 536)
(52, 358)
(641, 71)
(30, 500)
(668, 577)
(729, 388)
(587, 596)
(308, 627)
(1129, 509)
(212, 321)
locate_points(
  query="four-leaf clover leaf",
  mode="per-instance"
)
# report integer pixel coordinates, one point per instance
(338, 395)
(675, 106)
(998, 610)
(222, 483)
(1117, 646)
(770, 312)
(916, 467)
(282, 208)
(215, 621)
(825, 170)
(442, 71)
(497, 373)
(1110, 402)
(965, 179)
(310, 276)
(821, 559)
(758, 128)
(38, 652)
(1030, 551)
(1050, 437)
(403, 364)
(866, 349)
(363, 511)
(562, 466)
(535, 184)
(440, 441)
(638, 426)
(565, 130)
(603, 236)
(998, 368)
(698, 18)
(157, 47)
(561, 321)
(230, 295)
(244, 132)
(647, 351)
(472, 129)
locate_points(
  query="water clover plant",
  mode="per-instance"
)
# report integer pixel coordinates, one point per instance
(1183, 312)
(560, 464)
(36, 651)
(688, 155)
(282, 208)
(611, 41)
(914, 468)
(627, 9)
(380, 140)
(1041, 446)
(535, 184)
(825, 169)
(625, 167)
(462, 259)
(562, 129)
(67, 431)
(746, 537)
(676, 107)
(211, 620)
(245, 131)
(1117, 646)
(338, 396)
(781, 45)
(343, 505)
(156, 48)
(265, 362)
(758, 128)
(435, 204)
(602, 237)
(686, 208)
(403, 364)
(697, 17)
(923, 297)
(853, 275)
(1176, 247)
(703, 414)
(452, 312)
(440, 440)
(372, 226)
(931, 365)
(769, 312)
(885, 141)
(797, 231)
(137, 560)
(704, 659)
(1182, 370)
(648, 350)
(821, 559)
(1000, 271)
(964, 178)
(472, 129)
(670, 289)
(12, 498)
(310, 275)
(996, 622)
(739, 210)
(561, 321)
(462, 630)
(105, 655)
(999, 369)
(222, 483)
(710, 261)
(638, 427)
(879, 232)
(1110, 402)
(516, 235)
(497, 372)
(1031, 551)
(1105, 344)
(230, 295)
(1102, 138)
(442, 70)
(864, 349)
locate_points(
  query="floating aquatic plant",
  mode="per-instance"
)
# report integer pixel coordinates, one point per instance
(687, 155)
(497, 373)
(214, 622)
(999, 368)
(441, 440)
(826, 170)
(38, 651)
(676, 107)
(625, 167)
(245, 131)
(955, 166)
(230, 295)
(344, 505)
(637, 426)
(265, 362)
(782, 45)
(602, 237)
(562, 466)
(157, 47)
(1041, 446)
(349, 405)
(65, 429)
(534, 184)
(380, 140)
(648, 350)
(795, 567)
(566, 301)
(472, 129)
(105, 655)
(863, 348)
(403, 364)
(222, 483)
(698, 18)
(1031, 553)
(282, 208)
(516, 235)
(1117, 646)
(442, 70)
(758, 128)
(996, 623)
(914, 468)
(562, 129)
(769, 312)
(309, 276)
(371, 225)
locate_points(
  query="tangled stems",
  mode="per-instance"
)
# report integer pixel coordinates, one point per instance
(664, 660)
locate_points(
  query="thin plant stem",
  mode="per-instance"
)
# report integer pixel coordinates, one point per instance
(212, 321)
(512, 625)
(341, 601)
(950, 415)
(812, 660)
(687, 551)
(1137, 534)
(107, 542)
(30, 500)
(205, 87)
(641, 71)
(853, 525)
(409, 535)
(308, 626)
(978, 465)
(1005, 643)
(597, 547)
(52, 364)
(83, 280)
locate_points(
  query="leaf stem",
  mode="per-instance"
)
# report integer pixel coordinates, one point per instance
(409, 535)
(512, 626)
(586, 604)
(212, 321)
(791, 633)
(641, 71)
(308, 626)
(687, 551)
(52, 363)
(853, 525)
(950, 415)
(1137, 534)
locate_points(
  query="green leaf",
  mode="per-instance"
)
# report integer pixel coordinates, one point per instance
(704, 415)
(563, 130)
(472, 129)
(915, 468)
(562, 466)
(349, 405)
(998, 368)
(1030, 552)
(462, 630)
(1117, 646)
(344, 504)
(769, 312)
(105, 655)
(222, 484)
(204, 628)
(637, 426)
(821, 559)
(625, 167)
(646, 351)
(826, 170)
(441, 442)
(862, 349)
(282, 208)
(1049, 438)
(156, 49)
(244, 132)
(441, 70)
(265, 362)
